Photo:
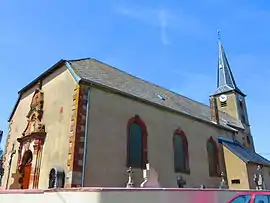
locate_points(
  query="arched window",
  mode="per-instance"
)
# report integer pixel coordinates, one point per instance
(180, 148)
(213, 161)
(136, 143)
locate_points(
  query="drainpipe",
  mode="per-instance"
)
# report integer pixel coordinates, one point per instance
(85, 136)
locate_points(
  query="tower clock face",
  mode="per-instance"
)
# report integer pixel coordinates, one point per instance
(223, 98)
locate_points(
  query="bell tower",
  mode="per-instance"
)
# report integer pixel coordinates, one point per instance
(230, 99)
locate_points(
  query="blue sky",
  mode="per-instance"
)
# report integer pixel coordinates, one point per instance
(171, 43)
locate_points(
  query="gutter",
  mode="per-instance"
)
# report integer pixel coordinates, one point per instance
(85, 137)
(71, 70)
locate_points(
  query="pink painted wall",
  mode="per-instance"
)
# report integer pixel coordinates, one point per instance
(116, 195)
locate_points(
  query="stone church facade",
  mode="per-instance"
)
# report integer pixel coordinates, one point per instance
(89, 122)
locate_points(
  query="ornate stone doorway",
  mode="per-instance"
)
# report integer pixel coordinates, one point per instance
(31, 144)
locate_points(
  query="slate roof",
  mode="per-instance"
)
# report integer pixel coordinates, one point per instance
(243, 153)
(99, 73)
(226, 81)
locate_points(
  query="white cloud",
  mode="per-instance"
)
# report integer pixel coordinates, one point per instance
(163, 25)
(155, 17)
(166, 20)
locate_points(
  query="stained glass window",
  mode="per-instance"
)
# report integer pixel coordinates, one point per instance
(135, 145)
(180, 153)
(212, 157)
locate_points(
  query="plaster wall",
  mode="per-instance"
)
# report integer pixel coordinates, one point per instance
(106, 158)
(236, 170)
(58, 90)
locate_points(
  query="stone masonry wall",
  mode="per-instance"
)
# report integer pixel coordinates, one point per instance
(76, 138)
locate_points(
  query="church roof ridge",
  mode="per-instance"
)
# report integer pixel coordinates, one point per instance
(144, 80)
(95, 71)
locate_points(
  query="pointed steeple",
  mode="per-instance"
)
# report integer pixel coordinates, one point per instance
(225, 80)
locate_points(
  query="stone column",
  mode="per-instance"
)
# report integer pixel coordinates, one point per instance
(19, 155)
(38, 146)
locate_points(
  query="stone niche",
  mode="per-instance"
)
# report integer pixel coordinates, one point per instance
(34, 116)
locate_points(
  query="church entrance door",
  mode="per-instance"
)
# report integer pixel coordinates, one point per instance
(26, 168)
(26, 176)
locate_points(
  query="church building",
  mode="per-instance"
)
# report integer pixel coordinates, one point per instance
(84, 123)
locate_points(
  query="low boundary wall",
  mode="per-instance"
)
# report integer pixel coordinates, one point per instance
(117, 195)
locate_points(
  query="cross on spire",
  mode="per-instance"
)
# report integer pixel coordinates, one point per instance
(218, 33)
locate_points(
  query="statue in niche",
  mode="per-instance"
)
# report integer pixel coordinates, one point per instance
(35, 114)
(33, 124)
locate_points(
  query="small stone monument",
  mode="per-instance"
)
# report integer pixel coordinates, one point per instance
(130, 183)
(202, 187)
(223, 182)
(145, 175)
(56, 178)
(258, 178)
(181, 182)
(150, 178)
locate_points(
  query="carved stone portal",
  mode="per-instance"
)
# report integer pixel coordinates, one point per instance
(32, 137)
